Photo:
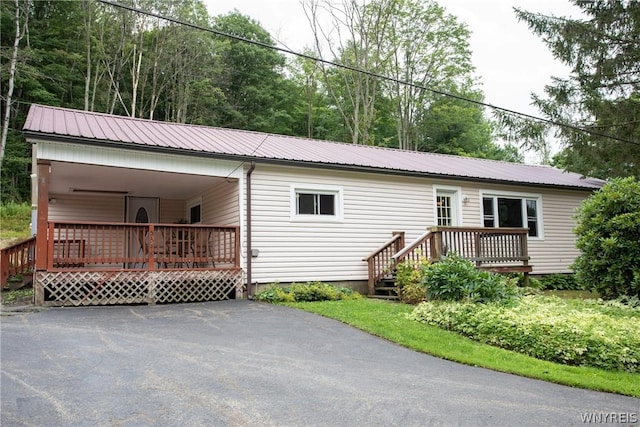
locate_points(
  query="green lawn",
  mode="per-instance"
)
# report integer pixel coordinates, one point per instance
(388, 320)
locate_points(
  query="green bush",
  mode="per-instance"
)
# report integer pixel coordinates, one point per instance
(457, 279)
(560, 282)
(411, 289)
(308, 292)
(608, 237)
(573, 332)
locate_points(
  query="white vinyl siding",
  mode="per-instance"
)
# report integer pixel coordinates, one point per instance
(71, 207)
(375, 205)
(220, 204)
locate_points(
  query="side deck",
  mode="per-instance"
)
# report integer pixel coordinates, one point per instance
(501, 250)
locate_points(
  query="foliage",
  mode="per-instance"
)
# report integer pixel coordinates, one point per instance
(559, 282)
(457, 279)
(573, 332)
(453, 126)
(18, 295)
(608, 237)
(390, 321)
(15, 219)
(411, 288)
(298, 292)
(601, 93)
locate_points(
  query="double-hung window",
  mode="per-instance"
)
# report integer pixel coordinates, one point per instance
(512, 211)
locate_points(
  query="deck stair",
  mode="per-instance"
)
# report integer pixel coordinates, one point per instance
(386, 288)
(502, 250)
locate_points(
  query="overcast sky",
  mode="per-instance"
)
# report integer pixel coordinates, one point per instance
(510, 61)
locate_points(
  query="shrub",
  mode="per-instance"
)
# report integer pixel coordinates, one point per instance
(572, 332)
(411, 289)
(297, 292)
(457, 279)
(560, 282)
(608, 236)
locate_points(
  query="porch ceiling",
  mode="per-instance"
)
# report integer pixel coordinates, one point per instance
(67, 177)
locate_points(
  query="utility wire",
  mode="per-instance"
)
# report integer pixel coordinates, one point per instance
(368, 73)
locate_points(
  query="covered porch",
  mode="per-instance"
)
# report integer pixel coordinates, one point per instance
(135, 229)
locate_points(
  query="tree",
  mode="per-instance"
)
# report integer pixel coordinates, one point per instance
(430, 49)
(454, 126)
(19, 34)
(355, 39)
(602, 93)
(256, 94)
(608, 236)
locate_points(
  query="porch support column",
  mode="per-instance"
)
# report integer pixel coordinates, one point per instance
(44, 174)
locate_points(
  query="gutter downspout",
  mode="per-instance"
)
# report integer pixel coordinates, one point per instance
(249, 248)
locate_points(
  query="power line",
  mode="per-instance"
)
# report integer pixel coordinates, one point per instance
(370, 74)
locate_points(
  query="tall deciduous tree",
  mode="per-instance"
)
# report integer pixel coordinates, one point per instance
(353, 34)
(602, 93)
(430, 49)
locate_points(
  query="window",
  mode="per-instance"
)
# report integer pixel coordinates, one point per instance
(194, 211)
(447, 209)
(445, 215)
(511, 211)
(316, 204)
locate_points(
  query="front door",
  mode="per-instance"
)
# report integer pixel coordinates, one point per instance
(141, 210)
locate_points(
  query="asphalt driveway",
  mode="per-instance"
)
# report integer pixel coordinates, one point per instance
(243, 363)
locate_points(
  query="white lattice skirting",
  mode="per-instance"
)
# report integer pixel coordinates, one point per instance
(137, 287)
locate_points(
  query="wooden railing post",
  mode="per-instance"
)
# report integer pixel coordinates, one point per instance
(4, 268)
(436, 249)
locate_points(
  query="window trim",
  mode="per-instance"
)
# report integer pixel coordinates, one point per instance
(456, 192)
(335, 191)
(516, 195)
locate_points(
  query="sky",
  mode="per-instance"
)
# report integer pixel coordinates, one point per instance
(511, 62)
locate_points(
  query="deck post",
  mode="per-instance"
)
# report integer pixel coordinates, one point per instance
(41, 254)
(437, 243)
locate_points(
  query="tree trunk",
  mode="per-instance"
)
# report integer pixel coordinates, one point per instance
(12, 74)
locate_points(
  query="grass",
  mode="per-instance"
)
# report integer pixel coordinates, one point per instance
(388, 320)
(15, 219)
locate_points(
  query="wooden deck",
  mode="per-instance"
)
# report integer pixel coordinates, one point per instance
(98, 263)
(495, 249)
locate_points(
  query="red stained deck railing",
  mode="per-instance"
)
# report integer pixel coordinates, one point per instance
(132, 246)
(16, 259)
(497, 249)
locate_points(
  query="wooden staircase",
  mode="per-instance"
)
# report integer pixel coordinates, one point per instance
(502, 250)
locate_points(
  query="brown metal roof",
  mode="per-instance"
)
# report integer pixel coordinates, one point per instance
(90, 127)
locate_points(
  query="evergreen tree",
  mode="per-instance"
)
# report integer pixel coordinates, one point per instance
(602, 93)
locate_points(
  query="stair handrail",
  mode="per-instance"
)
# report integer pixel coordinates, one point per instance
(416, 250)
(379, 262)
(18, 258)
